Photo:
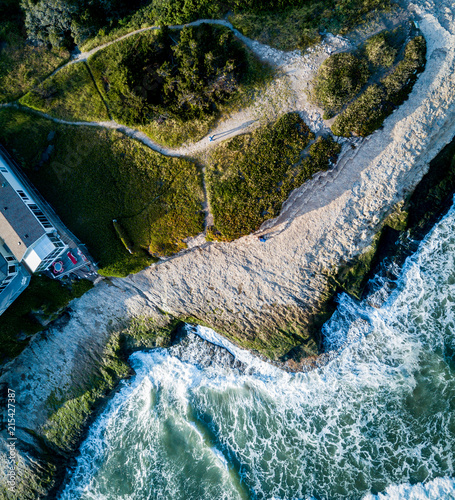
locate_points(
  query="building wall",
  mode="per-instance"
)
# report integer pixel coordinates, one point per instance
(31, 204)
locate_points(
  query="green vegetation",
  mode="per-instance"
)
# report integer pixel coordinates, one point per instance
(63, 23)
(285, 23)
(301, 23)
(41, 302)
(142, 18)
(379, 50)
(53, 26)
(250, 176)
(368, 112)
(171, 84)
(70, 93)
(70, 409)
(95, 176)
(338, 80)
(21, 65)
(386, 64)
(341, 77)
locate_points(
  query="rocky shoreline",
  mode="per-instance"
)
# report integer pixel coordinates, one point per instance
(269, 296)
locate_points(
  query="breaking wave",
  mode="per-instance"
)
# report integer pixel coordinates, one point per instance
(376, 422)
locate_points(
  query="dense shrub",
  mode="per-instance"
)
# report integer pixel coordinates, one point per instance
(364, 115)
(66, 22)
(69, 22)
(185, 74)
(250, 176)
(338, 80)
(368, 112)
(379, 51)
(399, 83)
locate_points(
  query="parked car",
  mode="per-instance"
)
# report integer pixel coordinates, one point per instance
(71, 257)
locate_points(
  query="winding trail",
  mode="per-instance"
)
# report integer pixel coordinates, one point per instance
(284, 94)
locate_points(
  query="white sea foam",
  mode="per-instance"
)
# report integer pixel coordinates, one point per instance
(379, 414)
(438, 489)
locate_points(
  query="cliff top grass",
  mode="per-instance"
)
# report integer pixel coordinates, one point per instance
(367, 113)
(365, 86)
(250, 176)
(42, 301)
(70, 93)
(96, 175)
(22, 66)
(300, 25)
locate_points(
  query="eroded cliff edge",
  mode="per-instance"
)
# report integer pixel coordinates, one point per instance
(266, 295)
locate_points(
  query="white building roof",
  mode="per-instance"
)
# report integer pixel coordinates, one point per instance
(38, 252)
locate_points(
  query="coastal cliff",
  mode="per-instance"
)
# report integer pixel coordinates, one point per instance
(268, 295)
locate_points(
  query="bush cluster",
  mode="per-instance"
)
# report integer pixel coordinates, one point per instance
(184, 74)
(67, 22)
(64, 23)
(341, 77)
(379, 51)
(250, 176)
(368, 112)
(338, 80)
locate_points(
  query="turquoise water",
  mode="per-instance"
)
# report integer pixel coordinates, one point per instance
(378, 421)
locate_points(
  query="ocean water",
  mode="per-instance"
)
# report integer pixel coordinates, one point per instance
(376, 422)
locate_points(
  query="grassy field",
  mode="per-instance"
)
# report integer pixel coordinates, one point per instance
(250, 176)
(23, 66)
(70, 94)
(95, 176)
(42, 300)
(300, 27)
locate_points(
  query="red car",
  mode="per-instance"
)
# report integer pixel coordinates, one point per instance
(71, 257)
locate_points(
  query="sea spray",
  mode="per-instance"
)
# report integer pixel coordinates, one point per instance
(377, 421)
